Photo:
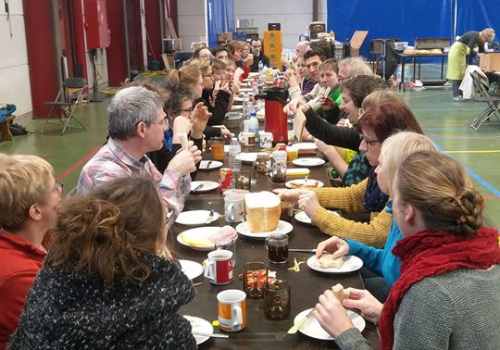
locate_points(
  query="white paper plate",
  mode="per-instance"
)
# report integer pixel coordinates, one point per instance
(248, 89)
(236, 108)
(248, 157)
(308, 161)
(214, 164)
(191, 269)
(200, 325)
(302, 217)
(207, 186)
(351, 263)
(199, 232)
(196, 217)
(313, 329)
(305, 145)
(238, 99)
(244, 229)
(299, 183)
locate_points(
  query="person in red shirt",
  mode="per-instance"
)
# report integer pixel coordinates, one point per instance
(28, 202)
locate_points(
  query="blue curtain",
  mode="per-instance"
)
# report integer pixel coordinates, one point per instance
(477, 15)
(220, 18)
(391, 19)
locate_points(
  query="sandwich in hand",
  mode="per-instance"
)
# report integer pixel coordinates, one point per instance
(339, 292)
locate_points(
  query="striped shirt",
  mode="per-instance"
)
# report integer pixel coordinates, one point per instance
(112, 162)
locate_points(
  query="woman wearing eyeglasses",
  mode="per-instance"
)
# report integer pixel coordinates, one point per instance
(28, 200)
(365, 197)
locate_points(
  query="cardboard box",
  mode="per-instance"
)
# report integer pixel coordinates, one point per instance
(356, 41)
(489, 61)
(224, 36)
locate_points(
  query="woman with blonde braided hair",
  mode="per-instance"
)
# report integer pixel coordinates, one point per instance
(447, 296)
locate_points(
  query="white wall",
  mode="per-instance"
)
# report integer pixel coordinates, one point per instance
(191, 14)
(14, 70)
(294, 16)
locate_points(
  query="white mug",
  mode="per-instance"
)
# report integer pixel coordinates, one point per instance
(234, 208)
(232, 310)
(266, 139)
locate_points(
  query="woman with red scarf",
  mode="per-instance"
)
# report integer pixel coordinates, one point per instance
(447, 296)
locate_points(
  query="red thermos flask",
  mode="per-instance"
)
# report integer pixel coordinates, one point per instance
(276, 119)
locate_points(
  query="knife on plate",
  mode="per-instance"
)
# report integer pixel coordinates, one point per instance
(198, 187)
(210, 216)
(212, 335)
(300, 250)
(300, 322)
(208, 164)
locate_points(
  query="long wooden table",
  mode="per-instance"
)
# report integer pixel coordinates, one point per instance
(306, 285)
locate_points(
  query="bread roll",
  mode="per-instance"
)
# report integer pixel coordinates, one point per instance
(339, 292)
(263, 211)
(327, 261)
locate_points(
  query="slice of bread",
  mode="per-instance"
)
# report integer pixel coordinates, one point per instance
(326, 262)
(339, 292)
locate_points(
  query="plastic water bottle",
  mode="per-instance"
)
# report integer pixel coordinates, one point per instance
(234, 152)
(261, 67)
(246, 105)
(253, 124)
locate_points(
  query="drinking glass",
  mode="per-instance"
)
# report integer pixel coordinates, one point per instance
(254, 279)
(277, 299)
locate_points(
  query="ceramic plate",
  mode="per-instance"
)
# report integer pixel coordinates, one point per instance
(191, 269)
(236, 108)
(244, 229)
(246, 89)
(197, 238)
(351, 263)
(204, 164)
(303, 218)
(248, 157)
(206, 186)
(313, 329)
(305, 145)
(196, 217)
(303, 183)
(308, 161)
(238, 99)
(200, 325)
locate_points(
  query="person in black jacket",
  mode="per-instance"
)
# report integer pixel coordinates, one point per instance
(258, 55)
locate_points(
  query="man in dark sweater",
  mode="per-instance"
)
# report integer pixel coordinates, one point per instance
(258, 55)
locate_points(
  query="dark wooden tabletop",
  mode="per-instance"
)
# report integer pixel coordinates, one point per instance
(306, 285)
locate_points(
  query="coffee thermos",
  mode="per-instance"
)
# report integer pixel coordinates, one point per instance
(276, 119)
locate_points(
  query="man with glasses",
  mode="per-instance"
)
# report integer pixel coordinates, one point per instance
(137, 124)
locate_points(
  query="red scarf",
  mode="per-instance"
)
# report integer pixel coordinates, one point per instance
(433, 253)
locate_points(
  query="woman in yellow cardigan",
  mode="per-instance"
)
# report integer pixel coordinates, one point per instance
(374, 127)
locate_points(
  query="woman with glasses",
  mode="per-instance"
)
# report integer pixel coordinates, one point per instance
(109, 281)
(182, 118)
(28, 200)
(348, 163)
(447, 295)
(365, 197)
(216, 104)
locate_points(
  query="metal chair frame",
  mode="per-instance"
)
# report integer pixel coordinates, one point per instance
(65, 102)
(483, 95)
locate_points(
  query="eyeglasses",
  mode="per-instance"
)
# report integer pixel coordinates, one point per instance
(187, 110)
(59, 187)
(369, 143)
(164, 121)
(343, 79)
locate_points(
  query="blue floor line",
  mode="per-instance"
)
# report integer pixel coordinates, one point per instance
(474, 175)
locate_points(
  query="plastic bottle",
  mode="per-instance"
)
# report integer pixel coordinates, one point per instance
(246, 106)
(253, 124)
(234, 152)
(261, 67)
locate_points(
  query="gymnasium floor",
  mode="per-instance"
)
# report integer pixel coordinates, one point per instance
(445, 122)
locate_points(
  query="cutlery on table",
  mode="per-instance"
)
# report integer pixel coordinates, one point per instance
(201, 334)
(210, 216)
(198, 187)
(300, 323)
(300, 250)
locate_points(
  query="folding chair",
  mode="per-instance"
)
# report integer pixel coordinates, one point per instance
(68, 97)
(483, 95)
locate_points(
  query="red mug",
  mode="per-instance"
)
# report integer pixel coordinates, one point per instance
(220, 266)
